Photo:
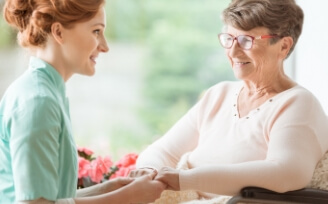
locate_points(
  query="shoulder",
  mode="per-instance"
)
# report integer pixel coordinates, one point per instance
(298, 109)
(29, 92)
(29, 113)
(296, 104)
(220, 92)
(33, 83)
(226, 85)
(299, 96)
(219, 95)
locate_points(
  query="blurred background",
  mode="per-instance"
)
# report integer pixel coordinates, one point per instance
(163, 55)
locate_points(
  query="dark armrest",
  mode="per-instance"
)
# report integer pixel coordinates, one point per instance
(260, 195)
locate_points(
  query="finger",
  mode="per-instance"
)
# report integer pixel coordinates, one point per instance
(162, 185)
(136, 173)
(153, 174)
(132, 173)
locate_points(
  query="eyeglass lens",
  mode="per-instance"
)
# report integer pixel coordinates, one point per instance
(244, 41)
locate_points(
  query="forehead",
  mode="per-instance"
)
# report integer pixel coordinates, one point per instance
(98, 19)
(253, 32)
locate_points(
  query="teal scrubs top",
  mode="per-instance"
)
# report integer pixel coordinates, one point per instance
(38, 156)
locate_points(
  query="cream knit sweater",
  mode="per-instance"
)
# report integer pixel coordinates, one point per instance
(276, 146)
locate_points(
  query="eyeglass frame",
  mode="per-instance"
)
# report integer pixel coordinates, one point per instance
(252, 37)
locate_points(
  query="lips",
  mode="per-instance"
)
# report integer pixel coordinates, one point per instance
(93, 58)
(241, 63)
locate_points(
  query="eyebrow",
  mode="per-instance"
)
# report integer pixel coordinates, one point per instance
(96, 24)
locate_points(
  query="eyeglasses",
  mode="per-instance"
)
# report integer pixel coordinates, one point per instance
(244, 41)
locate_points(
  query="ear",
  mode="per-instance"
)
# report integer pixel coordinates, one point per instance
(57, 32)
(286, 44)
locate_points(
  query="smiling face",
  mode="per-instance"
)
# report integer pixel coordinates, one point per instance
(82, 45)
(258, 63)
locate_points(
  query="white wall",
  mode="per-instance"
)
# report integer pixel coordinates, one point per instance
(311, 57)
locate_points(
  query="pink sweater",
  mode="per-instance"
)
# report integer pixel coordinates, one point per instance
(275, 146)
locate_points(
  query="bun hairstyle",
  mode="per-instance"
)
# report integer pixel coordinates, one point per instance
(33, 18)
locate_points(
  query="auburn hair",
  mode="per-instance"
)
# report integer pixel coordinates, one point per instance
(33, 18)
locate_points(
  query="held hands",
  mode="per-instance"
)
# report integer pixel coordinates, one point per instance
(142, 171)
(167, 175)
(170, 177)
(145, 189)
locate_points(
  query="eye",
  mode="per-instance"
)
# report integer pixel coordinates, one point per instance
(97, 31)
(245, 39)
(226, 37)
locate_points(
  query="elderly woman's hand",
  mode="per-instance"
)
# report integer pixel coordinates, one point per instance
(170, 177)
(141, 172)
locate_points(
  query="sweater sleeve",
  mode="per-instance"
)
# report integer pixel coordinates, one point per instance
(167, 150)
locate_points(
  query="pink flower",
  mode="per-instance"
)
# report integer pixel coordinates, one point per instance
(94, 170)
(125, 165)
(85, 150)
(99, 167)
(127, 160)
(84, 166)
(123, 171)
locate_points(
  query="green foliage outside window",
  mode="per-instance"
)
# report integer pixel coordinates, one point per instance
(184, 59)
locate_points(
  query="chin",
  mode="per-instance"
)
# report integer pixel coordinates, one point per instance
(237, 75)
(90, 71)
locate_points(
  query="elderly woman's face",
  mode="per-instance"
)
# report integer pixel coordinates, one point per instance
(256, 62)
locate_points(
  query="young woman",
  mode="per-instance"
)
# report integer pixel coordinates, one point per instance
(38, 156)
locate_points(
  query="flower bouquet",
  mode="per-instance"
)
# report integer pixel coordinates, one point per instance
(93, 170)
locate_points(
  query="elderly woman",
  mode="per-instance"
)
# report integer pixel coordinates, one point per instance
(264, 130)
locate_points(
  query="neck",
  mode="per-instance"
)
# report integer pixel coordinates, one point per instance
(271, 86)
(52, 54)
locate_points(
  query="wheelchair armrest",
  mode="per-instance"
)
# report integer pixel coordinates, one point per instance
(260, 195)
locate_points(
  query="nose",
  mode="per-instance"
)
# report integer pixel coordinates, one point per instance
(235, 49)
(103, 46)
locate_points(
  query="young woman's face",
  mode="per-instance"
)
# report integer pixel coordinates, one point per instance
(82, 45)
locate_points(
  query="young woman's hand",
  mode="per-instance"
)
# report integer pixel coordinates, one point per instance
(145, 189)
(116, 183)
(105, 187)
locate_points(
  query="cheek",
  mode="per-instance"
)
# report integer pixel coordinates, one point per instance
(226, 51)
(84, 42)
(93, 44)
(258, 57)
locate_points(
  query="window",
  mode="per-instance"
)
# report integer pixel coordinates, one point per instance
(311, 55)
